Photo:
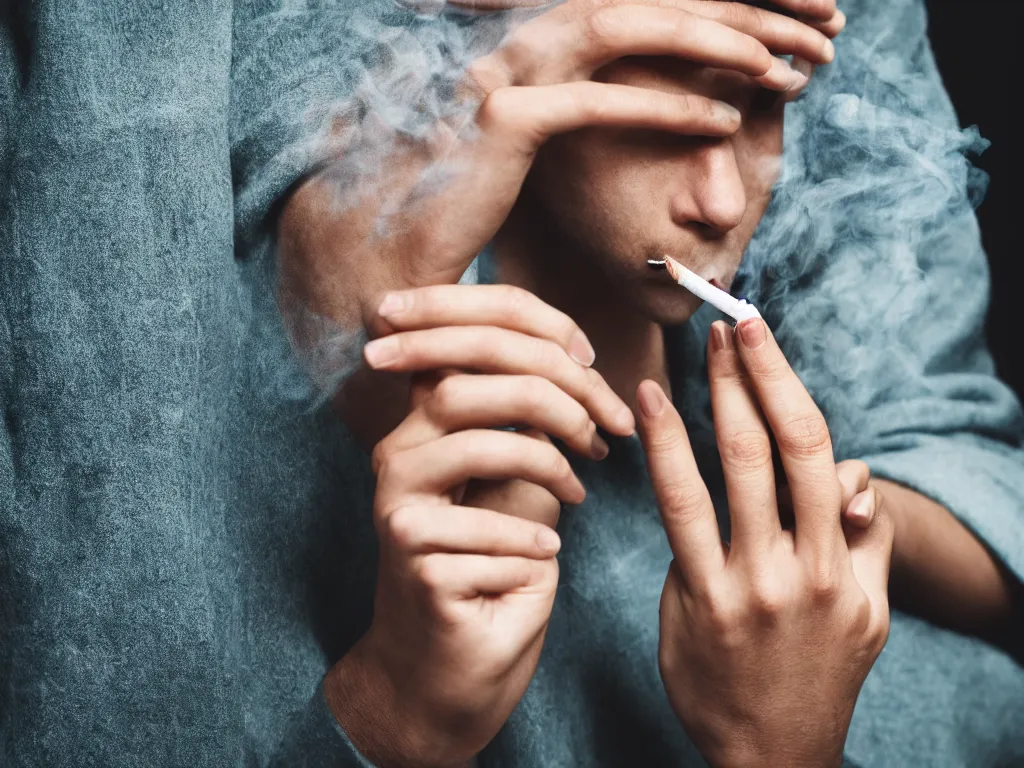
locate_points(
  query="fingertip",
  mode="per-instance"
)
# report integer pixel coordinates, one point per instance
(861, 511)
(581, 350)
(548, 541)
(650, 399)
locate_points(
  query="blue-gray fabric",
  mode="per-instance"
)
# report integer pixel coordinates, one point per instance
(184, 551)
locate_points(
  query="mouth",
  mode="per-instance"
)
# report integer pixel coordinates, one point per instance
(661, 265)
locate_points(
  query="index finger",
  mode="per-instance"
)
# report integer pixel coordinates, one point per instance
(820, 10)
(801, 433)
(686, 508)
(502, 306)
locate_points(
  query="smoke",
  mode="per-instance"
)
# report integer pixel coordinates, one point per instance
(406, 63)
(876, 188)
(875, 177)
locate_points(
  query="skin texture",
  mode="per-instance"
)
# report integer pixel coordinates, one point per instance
(605, 138)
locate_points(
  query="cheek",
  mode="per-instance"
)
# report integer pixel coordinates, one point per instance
(759, 154)
(576, 176)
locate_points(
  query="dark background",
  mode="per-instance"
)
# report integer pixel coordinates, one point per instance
(977, 44)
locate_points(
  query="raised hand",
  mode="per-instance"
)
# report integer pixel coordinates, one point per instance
(339, 260)
(765, 643)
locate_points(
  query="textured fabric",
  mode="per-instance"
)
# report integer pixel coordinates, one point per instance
(184, 550)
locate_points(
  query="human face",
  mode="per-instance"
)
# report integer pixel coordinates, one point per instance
(615, 198)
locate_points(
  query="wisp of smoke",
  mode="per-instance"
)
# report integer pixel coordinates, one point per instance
(868, 181)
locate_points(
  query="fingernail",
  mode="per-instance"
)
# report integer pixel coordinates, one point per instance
(625, 421)
(752, 333)
(381, 352)
(728, 112)
(581, 351)
(864, 509)
(797, 81)
(650, 398)
(548, 540)
(829, 50)
(392, 304)
(598, 447)
(719, 337)
(841, 19)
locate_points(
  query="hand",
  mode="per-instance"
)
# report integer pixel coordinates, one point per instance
(464, 593)
(764, 643)
(534, 86)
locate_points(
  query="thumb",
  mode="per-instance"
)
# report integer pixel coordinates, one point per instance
(871, 549)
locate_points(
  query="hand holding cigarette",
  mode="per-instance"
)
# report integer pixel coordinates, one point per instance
(764, 643)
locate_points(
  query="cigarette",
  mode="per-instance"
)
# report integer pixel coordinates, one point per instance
(738, 309)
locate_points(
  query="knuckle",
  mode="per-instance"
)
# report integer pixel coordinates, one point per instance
(682, 501)
(381, 456)
(769, 598)
(665, 441)
(601, 27)
(496, 110)
(823, 583)
(585, 428)
(561, 470)
(534, 391)
(723, 617)
(430, 573)
(392, 470)
(547, 355)
(878, 632)
(746, 450)
(805, 435)
(514, 300)
(593, 384)
(402, 528)
(446, 396)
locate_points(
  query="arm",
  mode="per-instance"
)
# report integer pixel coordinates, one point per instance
(535, 85)
(943, 572)
(889, 336)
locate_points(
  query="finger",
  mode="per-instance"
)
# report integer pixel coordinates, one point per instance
(472, 575)
(497, 350)
(801, 434)
(832, 27)
(686, 508)
(854, 476)
(745, 449)
(432, 469)
(465, 401)
(530, 115)
(871, 550)
(503, 306)
(860, 512)
(421, 529)
(780, 34)
(821, 10)
(616, 32)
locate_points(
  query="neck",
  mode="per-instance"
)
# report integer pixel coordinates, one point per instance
(629, 346)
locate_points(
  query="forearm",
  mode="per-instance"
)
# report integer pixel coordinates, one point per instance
(323, 268)
(942, 573)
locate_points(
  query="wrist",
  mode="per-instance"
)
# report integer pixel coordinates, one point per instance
(325, 266)
(377, 720)
(760, 757)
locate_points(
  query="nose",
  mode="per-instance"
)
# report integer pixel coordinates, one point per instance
(712, 192)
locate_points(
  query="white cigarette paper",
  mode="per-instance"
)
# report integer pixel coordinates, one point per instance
(738, 309)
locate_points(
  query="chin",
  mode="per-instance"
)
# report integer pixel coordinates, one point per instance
(669, 305)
